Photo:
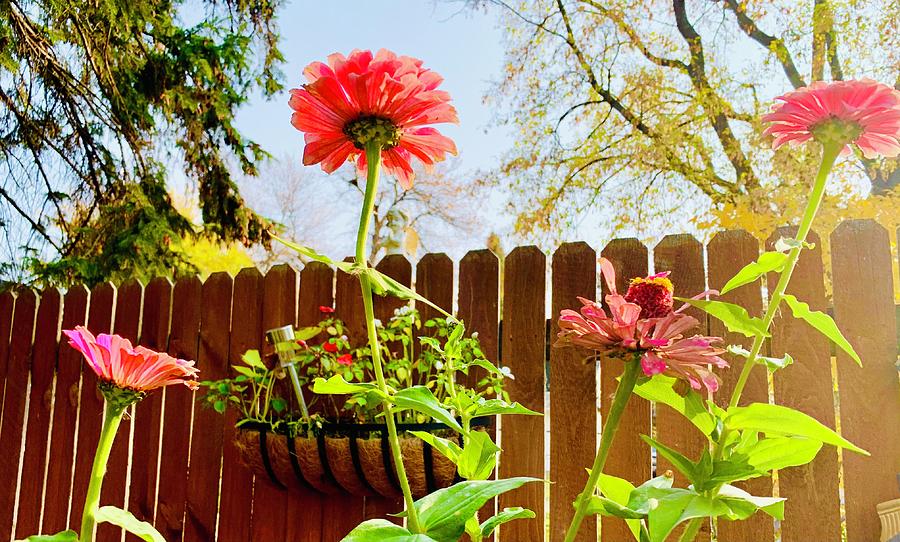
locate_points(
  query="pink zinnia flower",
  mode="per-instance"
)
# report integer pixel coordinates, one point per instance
(365, 97)
(863, 112)
(346, 359)
(128, 367)
(643, 323)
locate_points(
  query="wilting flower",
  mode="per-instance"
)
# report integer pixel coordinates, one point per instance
(346, 359)
(863, 112)
(128, 367)
(381, 98)
(643, 322)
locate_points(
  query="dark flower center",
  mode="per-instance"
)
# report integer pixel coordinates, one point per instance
(652, 295)
(371, 129)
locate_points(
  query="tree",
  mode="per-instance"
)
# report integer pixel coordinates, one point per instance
(97, 98)
(615, 101)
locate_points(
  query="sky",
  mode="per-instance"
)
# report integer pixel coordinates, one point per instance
(463, 45)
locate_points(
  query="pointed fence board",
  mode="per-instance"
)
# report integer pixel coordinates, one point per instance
(812, 511)
(37, 434)
(681, 254)
(870, 396)
(65, 416)
(177, 408)
(11, 429)
(90, 413)
(573, 394)
(237, 489)
(629, 457)
(524, 340)
(147, 416)
(206, 451)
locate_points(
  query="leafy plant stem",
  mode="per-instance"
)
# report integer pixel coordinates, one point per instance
(623, 393)
(104, 445)
(830, 153)
(373, 157)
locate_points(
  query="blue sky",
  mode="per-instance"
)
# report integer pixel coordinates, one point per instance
(463, 45)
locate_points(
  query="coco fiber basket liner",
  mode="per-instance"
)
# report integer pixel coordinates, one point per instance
(348, 458)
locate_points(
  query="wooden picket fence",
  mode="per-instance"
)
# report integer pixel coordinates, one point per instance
(174, 463)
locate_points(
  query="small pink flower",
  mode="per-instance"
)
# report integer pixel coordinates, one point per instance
(301, 343)
(324, 309)
(346, 359)
(140, 369)
(863, 112)
(330, 347)
(351, 98)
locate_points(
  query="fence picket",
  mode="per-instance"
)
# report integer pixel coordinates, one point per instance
(7, 302)
(573, 394)
(812, 511)
(206, 444)
(870, 396)
(629, 457)
(65, 416)
(37, 434)
(524, 352)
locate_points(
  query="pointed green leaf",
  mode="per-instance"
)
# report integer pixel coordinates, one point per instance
(447, 447)
(492, 407)
(506, 515)
(772, 364)
(479, 456)
(387, 285)
(421, 399)
(336, 385)
(313, 255)
(822, 323)
(684, 465)
(382, 530)
(743, 505)
(609, 507)
(734, 317)
(766, 263)
(776, 453)
(124, 519)
(660, 389)
(780, 420)
(619, 491)
(65, 536)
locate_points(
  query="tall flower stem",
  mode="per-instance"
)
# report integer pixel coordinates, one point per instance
(623, 393)
(830, 153)
(373, 157)
(92, 501)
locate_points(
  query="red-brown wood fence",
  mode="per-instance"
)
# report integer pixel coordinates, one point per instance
(174, 463)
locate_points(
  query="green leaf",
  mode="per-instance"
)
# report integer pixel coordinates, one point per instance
(479, 456)
(252, 359)
(313, 255)
(382, 530)
(65, 536)
(505, 515)
(641, 498)
(609, 507)
(336, 385)
(492, 407)
(124, 519)
(619, 491)
(421, 399)
(674, 506)
(383, 285)
(766, 263)
(822, 323)
(307, 333)
(660, 389)
(743, 505)
(772, 364)
(776, 453)
(684, 465)
(447, 447)
(780, 420)
(443, 514)
(734, 317)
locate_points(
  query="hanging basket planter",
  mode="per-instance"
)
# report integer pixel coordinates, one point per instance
(349, 458)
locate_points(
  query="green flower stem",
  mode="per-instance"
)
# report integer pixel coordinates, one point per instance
(92, 501)
(373, 157)
(623, 393)
(829, 155)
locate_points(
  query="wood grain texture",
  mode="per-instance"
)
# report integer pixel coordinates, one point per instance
(90, 413)
(7, 303)
(12, 425)
(201, 507)
(177, 408)
(37, 432)
(728, 253)
(573, 394)
(127, 324)
(236, 504)
(524, 352)
(870, 396)
(812, 511)
(65, 417)
(629, 457)
(147, 416)
(683, 256)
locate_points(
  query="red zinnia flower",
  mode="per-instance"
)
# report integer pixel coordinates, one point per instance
(129, 367)
(324, 309)
(330, 347)
(346, 359)
(863, 112)
(365, 97)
